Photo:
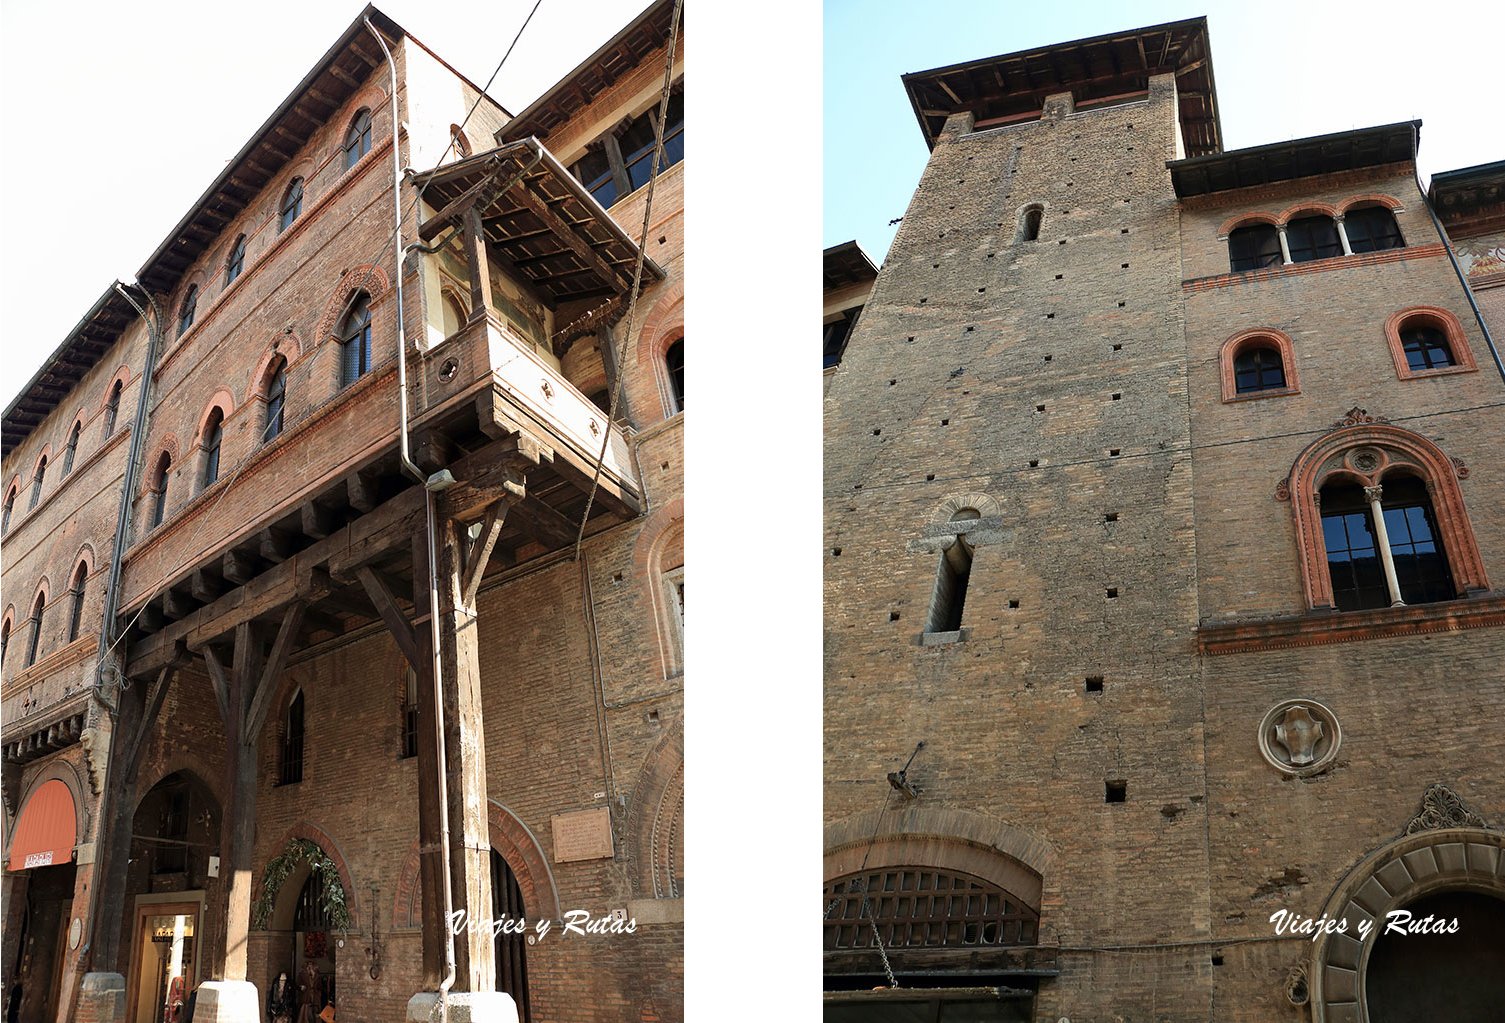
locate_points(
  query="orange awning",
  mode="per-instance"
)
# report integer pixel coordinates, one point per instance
(47, 830)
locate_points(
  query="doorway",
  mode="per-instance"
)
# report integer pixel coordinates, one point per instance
(1418, 977)
(313, 950)
(164, 960)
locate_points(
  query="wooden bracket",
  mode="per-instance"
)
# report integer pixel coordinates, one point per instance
(380, 592)
(219, 680)
(266, 685)
(478, 551)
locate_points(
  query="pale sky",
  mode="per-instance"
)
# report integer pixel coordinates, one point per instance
(116, 117)
(1285, 69)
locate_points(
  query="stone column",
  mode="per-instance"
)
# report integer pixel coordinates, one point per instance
(1343, 236)
(1285, 248)
(1382, 537)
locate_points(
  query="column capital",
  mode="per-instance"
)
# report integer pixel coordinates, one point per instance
(1374, 493)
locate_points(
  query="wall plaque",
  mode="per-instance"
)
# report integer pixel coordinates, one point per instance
(582, 835)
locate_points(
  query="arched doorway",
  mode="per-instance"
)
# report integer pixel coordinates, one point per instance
(511, 948)
(1416, 977)
(174, 833)
(313, 949)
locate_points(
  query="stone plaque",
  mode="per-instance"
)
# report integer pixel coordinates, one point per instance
(582, 835)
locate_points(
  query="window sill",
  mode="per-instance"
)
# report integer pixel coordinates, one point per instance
(1229, 279)
(1445, 371)
(1321, 628)
(1273, 392)
(944, 638)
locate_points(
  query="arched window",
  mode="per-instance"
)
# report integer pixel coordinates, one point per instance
(76, 595)
(292, 205)
(461, 143)
(187, 309)
(291, 762)
(1380, 520)
(112, 408)
(950, 594)
(36, 482)
(1372, 229)
(214, 435)
(10, 506)
(1258, 363)
(237, 261)
(358, 139)
(1310, 238)
(1427, 341)
(38, 610)
(510, 948)
(276, 399)
(409, 714)
(1254, 246)
(923, 907)
(72, 448)
(674, 362)
(4, 639)
(452, 314)
(355, 340)
(1029, 223)
(159, 489)
(1258, 368)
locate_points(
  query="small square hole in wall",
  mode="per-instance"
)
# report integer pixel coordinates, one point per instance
(924, 300)
(970, 329)
(1112, 592)
(877, 432)
(893, 616)
(1116, 791)
(1060, 276)
(1217, 959)
(1014, 605)
(663, 239)
(663, 465)
(1050, 316)
(1034, 463)
(1047, 358)
(835, 552)
(929, 477)
(892, 382)
(1117, 397)
(1061, 242)
(1123, 266)
(945, 422)
(992, 254)
(1123, 230)
(1116, 348)
(1039, 408)
(616, 577)
(935, 266)
(1122, 304)
(653, 718)
(982, 291)
(1094, 684)
(1114, 452)
(911, 337)
(1110, 517)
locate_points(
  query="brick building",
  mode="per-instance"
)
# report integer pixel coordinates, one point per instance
(246, 544)
(1164, 538)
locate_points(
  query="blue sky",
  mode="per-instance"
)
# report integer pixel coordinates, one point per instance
(1284, 70)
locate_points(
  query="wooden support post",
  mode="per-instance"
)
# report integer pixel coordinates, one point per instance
(430, 851)
(239, 824)
(480, 270)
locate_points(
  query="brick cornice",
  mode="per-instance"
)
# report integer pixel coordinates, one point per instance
(1325, 628)
(1434, 250)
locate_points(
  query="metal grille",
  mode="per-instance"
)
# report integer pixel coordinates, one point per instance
(310, 914)
(511, 949)
(921, 907)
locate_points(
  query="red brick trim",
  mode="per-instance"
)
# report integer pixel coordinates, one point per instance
(1258, 338)
(655, 809)
(1313, 266)
(222, 400)
(511, 837)
(664, 325)
(1308, 208)
(123, 376)
(1239, 220)
(407, 909)
(168, 446)
(1398, 450)
(1432, 316)
(367, 277)
(319, 837)
(1326, 628)
(46, 453)
(647, 564)
(86, 555)
(1371, 199)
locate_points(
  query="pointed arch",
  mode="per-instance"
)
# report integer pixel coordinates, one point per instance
(518, 846)
(123, 377)
(222, 400)
(318, 836)
(655, 820)
(1364, 453)
(657, 544)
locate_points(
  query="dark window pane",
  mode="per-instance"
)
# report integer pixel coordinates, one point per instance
(1353, 560)
(276, 400)
(1254, 246)
(1421, 567)
(292, 204)
(358, 139)
(594, 172)
(1313, 238)
(1258, 369)
(674, 360)
(186, 311)
(355, 342)
(1426, 348)
(211, 453)
(1372, 229)
(236, 261)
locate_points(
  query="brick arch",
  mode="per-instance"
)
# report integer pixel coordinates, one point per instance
(1247, 219)
(319, 837)
(647, 560)
(181, 762)
(1259, 336)
(1432, 316)
(78, 420)
(46, 453)
(367, 277)
(407, 900)
(68, 773)
(517, 845)
(44, 588)
(10, 616)
(1389, 878)
(1021, 216)
(655, 819)
(15, 486)
(196, 281)
(1328, 458)
(222, 400)
(1390, 203)
(86, 555)
(121, 376)
(983, 846)
(168, 446)
(986, 507)
(1307, 208)
(664, 325)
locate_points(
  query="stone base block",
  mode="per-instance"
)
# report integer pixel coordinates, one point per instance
(464, 1007)
(101, 998)
(226, 1001)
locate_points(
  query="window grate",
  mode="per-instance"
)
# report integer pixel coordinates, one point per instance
(924, 907)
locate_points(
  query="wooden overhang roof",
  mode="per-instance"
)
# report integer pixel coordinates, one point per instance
(846, 264)
(620, 54)
(334, 79)
(84, 346)
(1298, 158)
(1460, 194)
(1103, 67)
(548, 230)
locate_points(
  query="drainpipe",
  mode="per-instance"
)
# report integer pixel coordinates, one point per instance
(1447, 244)
(431, 485)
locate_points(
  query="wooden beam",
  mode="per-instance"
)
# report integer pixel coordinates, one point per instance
(237, 567)
(275, 545)
(453, 209)
(478, 553)
(566, 234)
(474, 235)
(317, 521)
(397, 623)
(266, 684)
(218, 680)
(174, 605)
(154, 699)
(360, 491)
(204, 586)
(544, 523)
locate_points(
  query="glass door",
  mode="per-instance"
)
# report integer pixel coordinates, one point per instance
(166, 961)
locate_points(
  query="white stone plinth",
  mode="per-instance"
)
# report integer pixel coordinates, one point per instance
(464, 1007)
(226, 1001)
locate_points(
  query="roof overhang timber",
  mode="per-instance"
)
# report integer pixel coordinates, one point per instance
(1298, 158)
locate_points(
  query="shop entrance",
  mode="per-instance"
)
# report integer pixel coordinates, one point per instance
(43, 944)
(164, 960)
(313, 951)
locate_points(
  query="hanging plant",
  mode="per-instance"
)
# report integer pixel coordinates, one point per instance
(281, 866)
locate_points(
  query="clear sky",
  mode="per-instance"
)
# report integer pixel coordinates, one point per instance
(1284, 70)
(116, 117)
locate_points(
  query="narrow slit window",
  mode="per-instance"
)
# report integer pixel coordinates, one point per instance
(1029, 228)
(159, 487)
(674, 362)
(76, 613)
(36, 482)
(292, 205)
(276, 399)
(950, 596)
(72, 449)
(291, 766)
(112, 409)
(355, 341)
(214, 435)
(236, 262)
(358, 139)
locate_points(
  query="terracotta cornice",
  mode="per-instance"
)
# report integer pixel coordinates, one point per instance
(1195, 284)
(1325, 628)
